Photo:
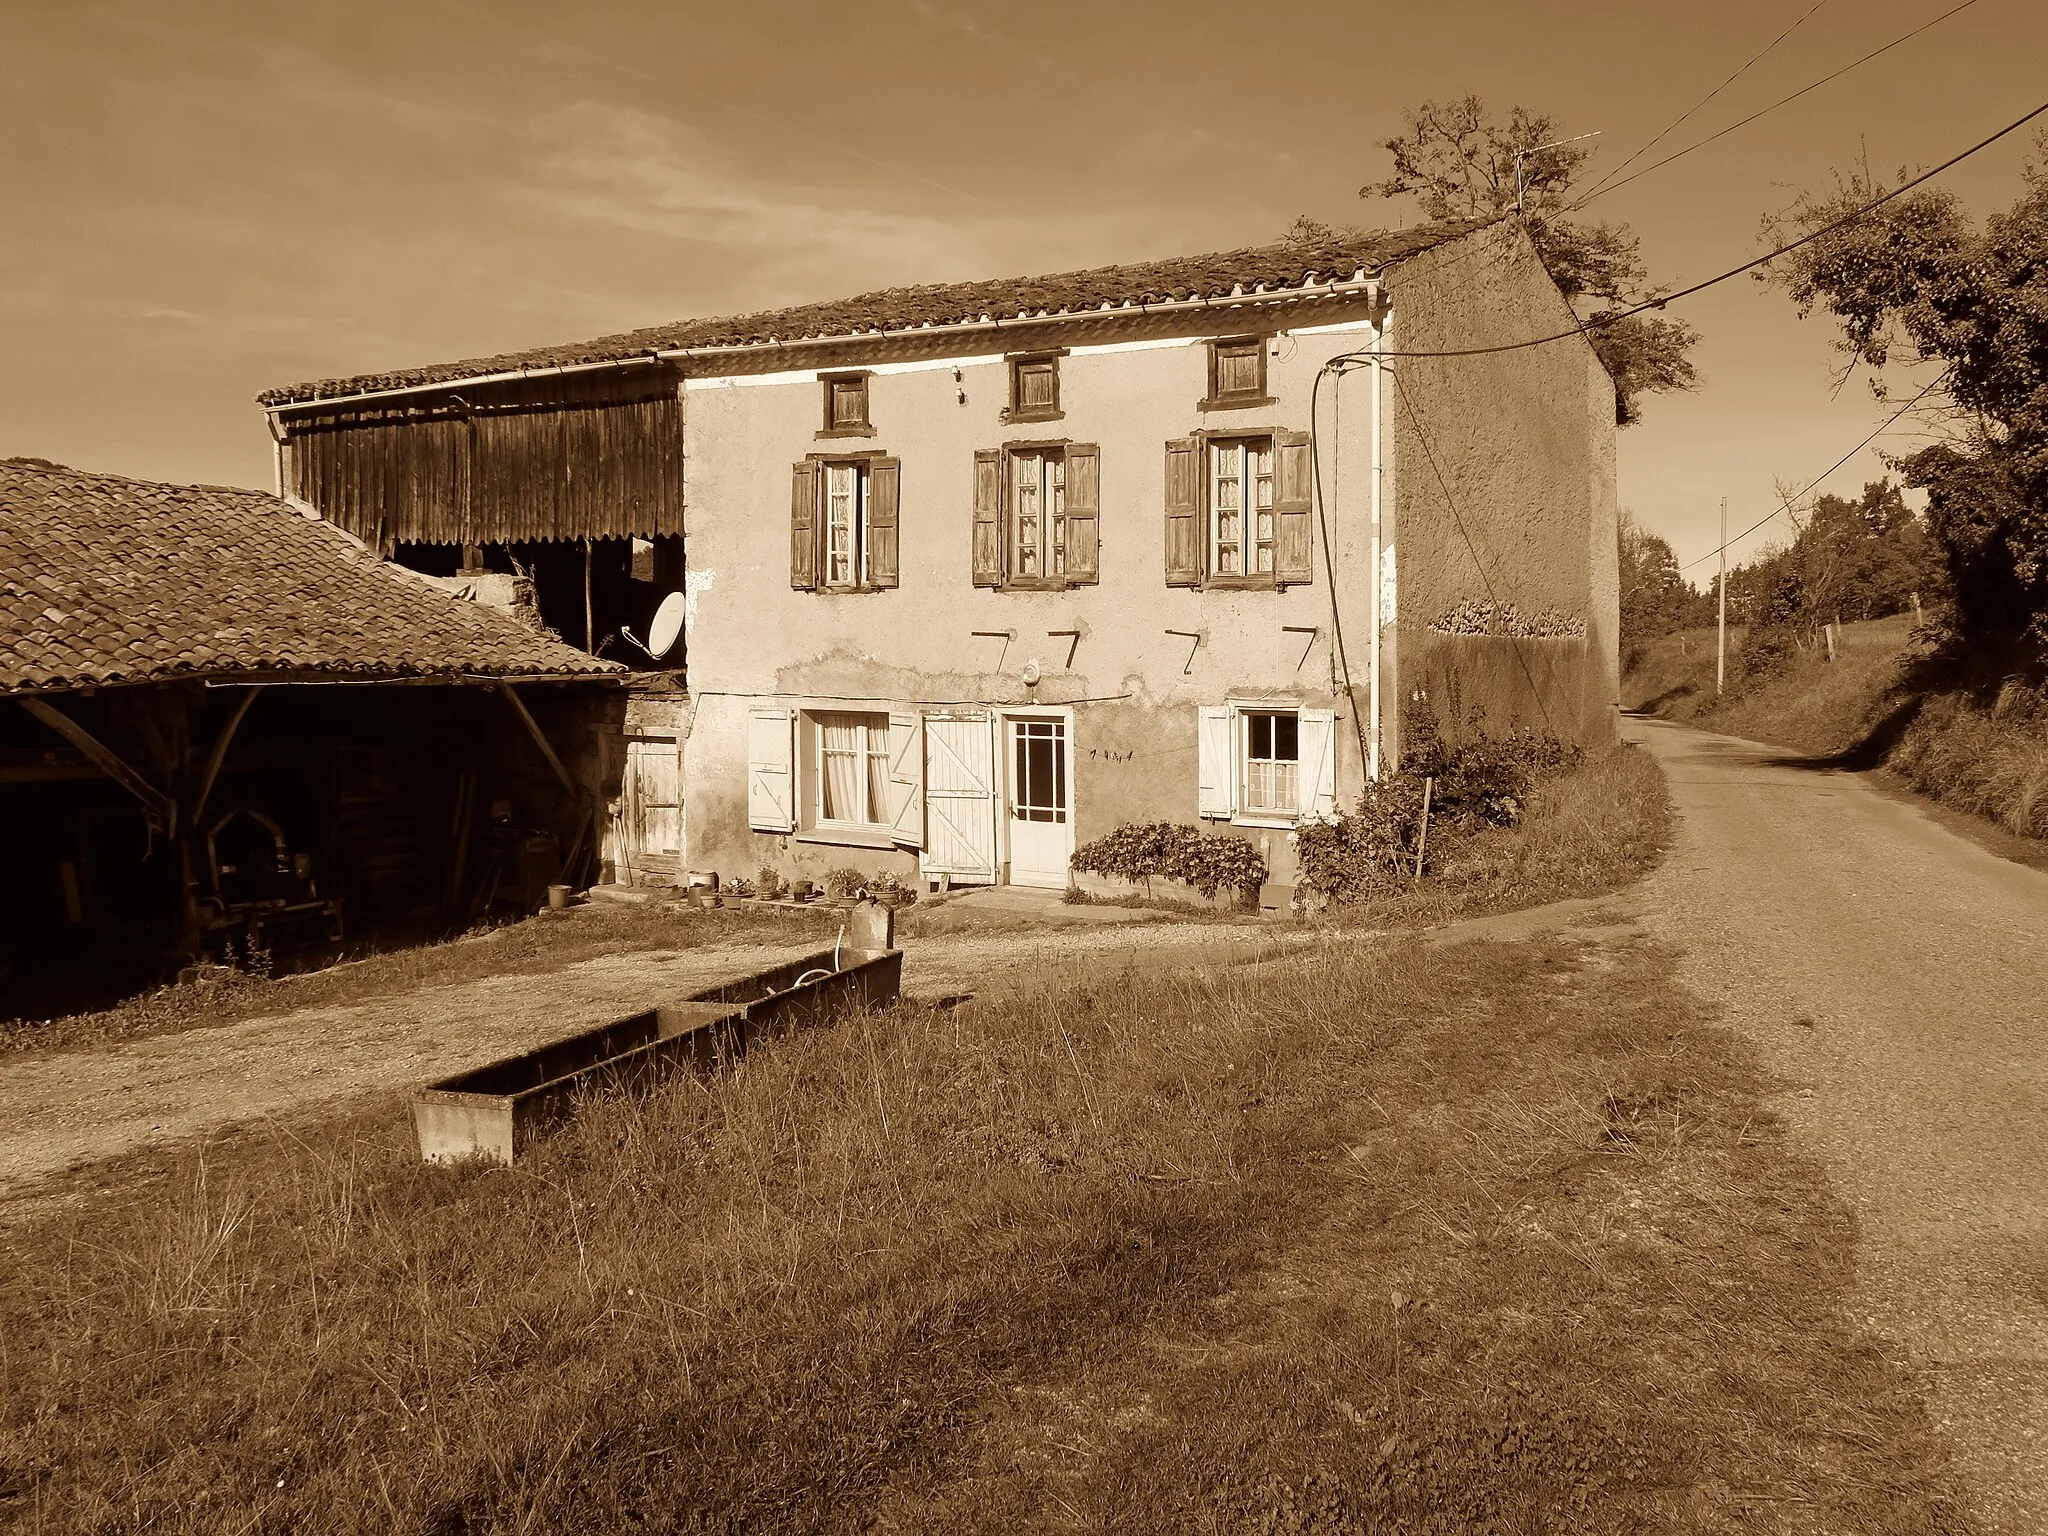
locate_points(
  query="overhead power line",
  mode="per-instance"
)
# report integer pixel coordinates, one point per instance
(1600, 190)
(1679, 120)
(1601, 322)
(1786, 505)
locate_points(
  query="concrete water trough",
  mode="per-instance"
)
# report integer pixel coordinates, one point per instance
(494, 1112)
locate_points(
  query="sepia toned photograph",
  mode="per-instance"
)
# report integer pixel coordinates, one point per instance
(962, 768)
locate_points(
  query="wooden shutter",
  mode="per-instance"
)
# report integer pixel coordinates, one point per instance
(1084, 512)
(1183, 512)
(771, 771)
(885, 479)
(1318, 763)
(803, 526)
(988, 517)
(1218, 769)
(906, 779)
(1293, 509)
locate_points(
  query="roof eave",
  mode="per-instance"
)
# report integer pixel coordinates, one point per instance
(1365, 283)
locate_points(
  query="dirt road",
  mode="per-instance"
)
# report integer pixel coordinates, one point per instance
(1896, 976)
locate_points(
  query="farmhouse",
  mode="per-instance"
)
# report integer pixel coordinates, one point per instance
(222, 721)
(979, 571)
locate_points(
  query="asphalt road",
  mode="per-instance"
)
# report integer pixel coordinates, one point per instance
(1895, 976)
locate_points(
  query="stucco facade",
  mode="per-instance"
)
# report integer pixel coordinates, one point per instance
(1128, 662)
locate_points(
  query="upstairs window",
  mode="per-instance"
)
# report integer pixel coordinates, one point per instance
(1237, 373)
(842, 524)
(846, 405)
(1241, 506)
(1239, 510)
(1034, 389)
(1037, 511)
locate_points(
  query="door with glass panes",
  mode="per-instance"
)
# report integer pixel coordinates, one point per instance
(1038, 799)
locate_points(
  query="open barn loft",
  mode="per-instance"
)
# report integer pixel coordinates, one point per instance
(227, 726)
(573, 483)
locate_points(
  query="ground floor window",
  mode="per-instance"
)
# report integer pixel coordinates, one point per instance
(1272, 761)
(850, 764)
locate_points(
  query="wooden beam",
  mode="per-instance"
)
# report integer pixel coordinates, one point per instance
(220, 751)
(539, 739)
(161, 808)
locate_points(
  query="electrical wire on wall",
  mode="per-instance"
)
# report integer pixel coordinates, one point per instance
(1315, 459)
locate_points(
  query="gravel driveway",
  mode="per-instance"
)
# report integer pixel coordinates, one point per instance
(1896, 977)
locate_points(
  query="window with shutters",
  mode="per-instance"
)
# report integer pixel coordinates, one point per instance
(1239, 510)
(1272, 762)
(846, 405)
(843, 524)
(849, 770)
(1237, 373)
(1241, 515)
(1034, 389)
(1036, 515)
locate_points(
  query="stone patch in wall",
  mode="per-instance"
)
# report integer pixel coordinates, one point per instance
(1478, 617)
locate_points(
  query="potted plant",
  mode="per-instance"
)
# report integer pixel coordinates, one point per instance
(800, 890)
(845, 885)
(769, 882)
(890, 889)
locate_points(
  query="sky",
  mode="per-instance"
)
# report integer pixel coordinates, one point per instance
(207, 198)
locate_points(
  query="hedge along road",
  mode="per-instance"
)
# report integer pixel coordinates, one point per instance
(1895, 976)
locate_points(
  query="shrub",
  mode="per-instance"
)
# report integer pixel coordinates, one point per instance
(1483, 782)
(1172, 851)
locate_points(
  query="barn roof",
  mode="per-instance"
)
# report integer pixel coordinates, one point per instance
(107, 580)
(1290, 266)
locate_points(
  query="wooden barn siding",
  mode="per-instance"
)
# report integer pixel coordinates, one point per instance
(509, 470)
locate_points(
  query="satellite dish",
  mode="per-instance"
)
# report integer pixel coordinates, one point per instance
(666, 629)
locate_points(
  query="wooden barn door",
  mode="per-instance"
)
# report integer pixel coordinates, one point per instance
(960, 798)
(652, 808)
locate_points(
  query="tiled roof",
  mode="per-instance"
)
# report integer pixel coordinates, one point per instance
(110, 580)
(1290, 266)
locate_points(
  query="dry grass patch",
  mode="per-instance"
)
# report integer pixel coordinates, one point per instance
(534, 947)
(1595, 829)
(1358, 1239)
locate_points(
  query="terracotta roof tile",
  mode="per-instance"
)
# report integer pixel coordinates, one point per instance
(109, 580)
(1289, 266)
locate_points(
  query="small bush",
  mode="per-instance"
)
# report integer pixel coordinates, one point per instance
(1484, 782)
(1169, 850)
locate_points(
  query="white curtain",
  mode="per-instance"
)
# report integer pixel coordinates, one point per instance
(841, 739)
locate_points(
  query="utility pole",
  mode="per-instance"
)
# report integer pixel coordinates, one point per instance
(1721, 636)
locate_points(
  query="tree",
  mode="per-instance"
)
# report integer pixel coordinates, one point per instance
(1457, 162)
(1916, 282)
(1655, 599)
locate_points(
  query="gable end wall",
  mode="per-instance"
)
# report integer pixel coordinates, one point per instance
(1524, 515)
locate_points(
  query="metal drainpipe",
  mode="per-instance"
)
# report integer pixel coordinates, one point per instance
(1372, 767)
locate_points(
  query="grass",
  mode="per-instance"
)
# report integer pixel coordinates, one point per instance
(533, 947)
(1980, 749)
(1371, 1238)
(1588, 832)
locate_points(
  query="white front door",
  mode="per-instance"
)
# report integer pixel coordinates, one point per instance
(1039, 817)
(960, 798)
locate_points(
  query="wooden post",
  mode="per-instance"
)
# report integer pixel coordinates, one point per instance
(1422, 840)
(589, 623)
(1831, 641)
